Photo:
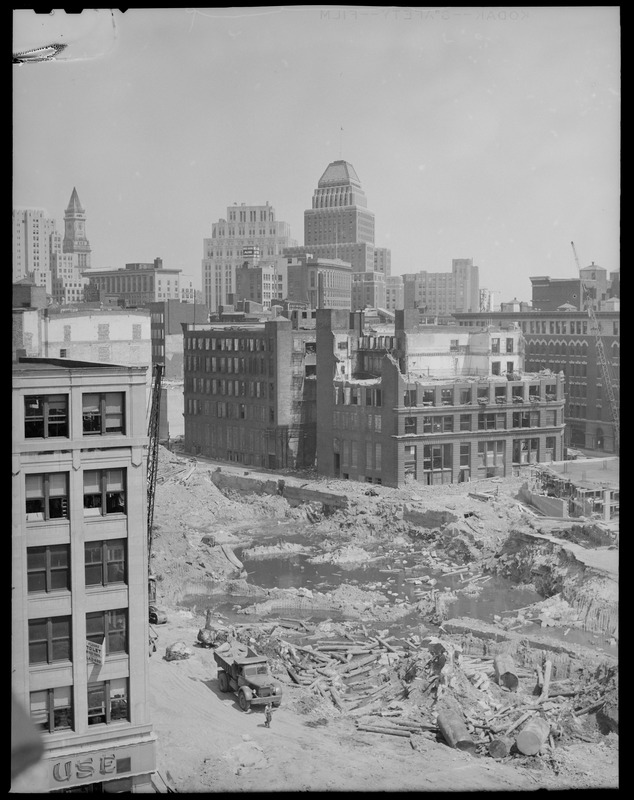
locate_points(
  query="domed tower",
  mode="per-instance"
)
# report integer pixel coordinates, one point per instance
(75, 231)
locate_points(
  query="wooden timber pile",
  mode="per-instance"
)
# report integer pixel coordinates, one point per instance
(351, 674)
(510, 710)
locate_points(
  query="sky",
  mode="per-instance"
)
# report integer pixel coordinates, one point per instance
(483, 133)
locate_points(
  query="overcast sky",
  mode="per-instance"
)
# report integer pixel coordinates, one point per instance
(491, 134)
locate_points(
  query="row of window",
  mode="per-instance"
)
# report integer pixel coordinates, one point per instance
(224, 410)
(485, 421)
(46, 416)
(50, 638)
(47, 494)
(252, 366)
(52, 709)
(249, 344)
(437, 461)
(48, 568)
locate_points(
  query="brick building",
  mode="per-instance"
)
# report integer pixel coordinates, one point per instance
(250, 393)
(562, 341)
(429, 403)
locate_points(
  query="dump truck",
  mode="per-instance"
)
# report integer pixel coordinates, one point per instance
(246, 674)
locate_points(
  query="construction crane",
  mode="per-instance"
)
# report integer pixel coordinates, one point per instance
(595, 330)
(152, 465)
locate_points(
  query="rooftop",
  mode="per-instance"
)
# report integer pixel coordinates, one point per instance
(339, 173)
(588, 473)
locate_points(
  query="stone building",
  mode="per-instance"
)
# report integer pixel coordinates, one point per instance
(79, 577)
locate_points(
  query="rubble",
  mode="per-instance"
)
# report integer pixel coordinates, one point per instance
(508, 695)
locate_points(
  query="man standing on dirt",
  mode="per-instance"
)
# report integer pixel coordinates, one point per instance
(268, 715)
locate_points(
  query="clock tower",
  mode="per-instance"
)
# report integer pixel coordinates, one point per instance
(75, 232)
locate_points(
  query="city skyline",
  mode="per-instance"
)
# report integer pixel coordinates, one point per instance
(491, 134)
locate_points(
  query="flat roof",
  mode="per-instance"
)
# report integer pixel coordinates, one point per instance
(588, 473)
(30, 364)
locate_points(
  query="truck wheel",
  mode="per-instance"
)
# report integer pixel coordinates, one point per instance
(223, 682)
(245, 704)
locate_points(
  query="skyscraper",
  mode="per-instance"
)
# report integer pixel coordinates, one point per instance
(32, 231)
(245, 226)
(339, 224)
(339, 212)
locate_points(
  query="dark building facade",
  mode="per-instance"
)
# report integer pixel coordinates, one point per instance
(250, 393)
(166, 332)
(562, 341)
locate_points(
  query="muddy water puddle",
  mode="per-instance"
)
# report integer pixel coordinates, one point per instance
(401, 574)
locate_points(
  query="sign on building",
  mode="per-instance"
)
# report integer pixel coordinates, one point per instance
(96, 653)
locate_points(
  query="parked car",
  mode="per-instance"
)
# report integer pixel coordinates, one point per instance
(157, 616)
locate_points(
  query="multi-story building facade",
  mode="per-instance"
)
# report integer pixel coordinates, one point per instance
(250, 393)
(79, 577)
(339, 224)
(487, 300)
(563, 342)
(137, 284)
(394, 293)
(32, 231)
(244, 227)
(319, 282)
(430, 404)
(383, 261)
(261, 281)
(166, 332)
(368, 290)
(443, 293)
(550, 294)
(40, 252)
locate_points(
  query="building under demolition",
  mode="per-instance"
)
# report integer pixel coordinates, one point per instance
(433, 404)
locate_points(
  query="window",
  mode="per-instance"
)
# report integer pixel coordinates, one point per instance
(46, 496)
(509, 345)
(48, 568)
(105, 562)
(428, 397)
(409, 461)
(108, 626)
(103, 413)
(495, 345)
(104, 492)
(409, 397)
(526, 419)
(496, 367)
(446, 397)
(490, 459)
(49, 640)
(465, 454)
(437, 463)
(108, 702)
(465, 397)
(410, 424)
(45, 416)
(525, 451)
(52, 709)
(500, 395)
(465, 422)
